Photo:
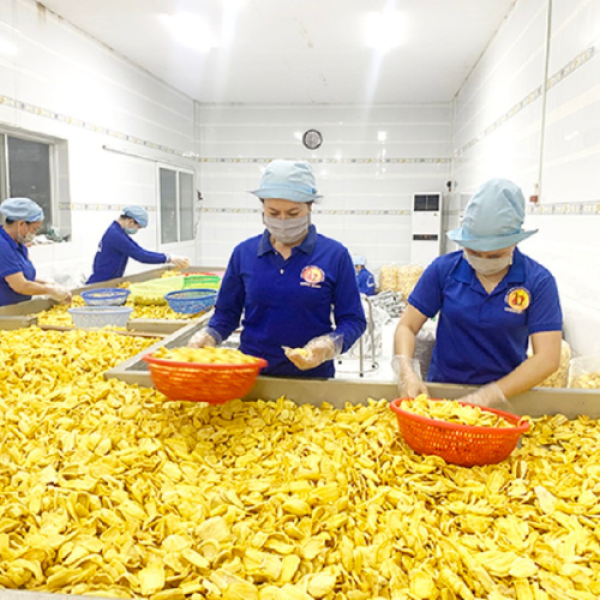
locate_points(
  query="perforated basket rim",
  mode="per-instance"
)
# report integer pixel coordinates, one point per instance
(89, 310)
(173, 295)
(259, 363)
(494, 431)
(105, 291)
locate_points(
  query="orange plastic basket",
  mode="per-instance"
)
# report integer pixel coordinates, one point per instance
(202, 382)
(464, 445)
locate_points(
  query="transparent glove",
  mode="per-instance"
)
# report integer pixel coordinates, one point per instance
(204, 339)
(180, 262)
(407, 371)
(59, 293)
(316, 352)
(489, 396)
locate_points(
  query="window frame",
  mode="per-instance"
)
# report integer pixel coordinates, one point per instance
(177, 171)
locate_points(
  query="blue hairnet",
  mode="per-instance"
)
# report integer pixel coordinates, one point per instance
(22, 209)
(138, 214)
(359, 261)
(292, 180)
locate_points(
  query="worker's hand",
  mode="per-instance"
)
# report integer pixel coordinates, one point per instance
(202, 339)
(489, 396)
(316, 352)
(59, 293)
(180, 262)
(410, 384)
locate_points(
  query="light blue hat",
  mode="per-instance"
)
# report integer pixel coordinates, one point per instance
(359, 261)
(22, 209)
(138, 214)
(292, 180)
(493, 218)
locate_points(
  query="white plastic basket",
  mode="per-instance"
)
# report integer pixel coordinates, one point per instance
(86, 317)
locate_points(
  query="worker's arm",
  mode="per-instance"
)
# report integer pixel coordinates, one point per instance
(132, 249)
(19, 284)
(410, 383)
(544, 361)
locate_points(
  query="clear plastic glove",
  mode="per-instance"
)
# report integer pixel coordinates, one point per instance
(180, 262)
(316, 352)
(489, 396)
(59, 293)
(203, 339)
(410, 384)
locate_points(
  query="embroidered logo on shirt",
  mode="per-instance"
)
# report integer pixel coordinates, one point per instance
(518, 300)
(312, 276)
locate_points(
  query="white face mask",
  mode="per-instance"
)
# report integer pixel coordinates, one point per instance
(488, 266)
(28, 238)
(287, 231)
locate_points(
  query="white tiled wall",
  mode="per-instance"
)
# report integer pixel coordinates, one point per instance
(367, 184)
(503, 128)
(65, 85)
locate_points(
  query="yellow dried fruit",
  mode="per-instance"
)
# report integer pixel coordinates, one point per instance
(215, 356)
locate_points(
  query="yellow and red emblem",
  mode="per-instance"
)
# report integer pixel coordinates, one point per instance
(518, 300)
(312, 275)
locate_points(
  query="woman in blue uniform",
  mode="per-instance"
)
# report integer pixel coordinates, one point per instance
(116, 247)
(291, 283)
(18, 282)
(491, 300)
(364, 277)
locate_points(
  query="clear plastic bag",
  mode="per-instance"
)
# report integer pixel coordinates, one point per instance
(585, 372)
(424, 343)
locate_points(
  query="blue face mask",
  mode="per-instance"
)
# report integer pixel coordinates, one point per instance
(131, 230)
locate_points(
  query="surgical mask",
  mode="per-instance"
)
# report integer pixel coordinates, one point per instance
(28, 238)
(131, 230)
(287, 231)
(488, 266)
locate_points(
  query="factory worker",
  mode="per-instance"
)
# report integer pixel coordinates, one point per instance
(364, 277)
(18, 282)
(117, 247)
(491, 300)
(291, 283)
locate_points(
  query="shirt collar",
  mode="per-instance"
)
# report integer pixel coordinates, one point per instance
(465, 273)
(10, 240)
(307, 246)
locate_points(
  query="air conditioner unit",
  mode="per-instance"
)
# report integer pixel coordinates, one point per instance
(426, 228)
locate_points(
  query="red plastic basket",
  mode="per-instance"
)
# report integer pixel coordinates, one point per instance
(202, 382)
(464, 445)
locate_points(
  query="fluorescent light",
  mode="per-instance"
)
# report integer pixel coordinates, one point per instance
(381, 136)
(190, 31)
(384, 30)
(8, 48)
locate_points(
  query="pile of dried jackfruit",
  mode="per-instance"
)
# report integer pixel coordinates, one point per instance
(108, 490)
(452, 411)
(215, 356)
(59, 315)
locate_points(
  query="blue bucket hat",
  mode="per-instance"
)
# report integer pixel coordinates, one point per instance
(138, 214)
(22, 209)
(493, 218)
(292, 180)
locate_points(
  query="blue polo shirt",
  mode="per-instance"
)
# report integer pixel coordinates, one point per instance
(289, 302)
(366, 282)
(482, 337)
(14, 258)
(114, 250)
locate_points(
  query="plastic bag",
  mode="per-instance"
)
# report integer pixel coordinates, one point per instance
(424, 343)
(585, 372)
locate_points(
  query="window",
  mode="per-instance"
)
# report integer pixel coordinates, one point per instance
(26, 172)
(176, 206)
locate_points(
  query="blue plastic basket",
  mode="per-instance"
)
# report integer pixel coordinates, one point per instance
(87, 317)
(105, 297)
(191, 301)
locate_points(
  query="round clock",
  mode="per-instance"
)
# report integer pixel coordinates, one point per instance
(312, 139)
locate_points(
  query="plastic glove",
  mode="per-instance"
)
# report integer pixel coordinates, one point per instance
(316, 352)
(181, 262)
(489, 396)
(410, 383)
(202, 339)
(59, 293)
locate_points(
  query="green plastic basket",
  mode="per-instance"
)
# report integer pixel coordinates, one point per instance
(202, 281)
(154, 291)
